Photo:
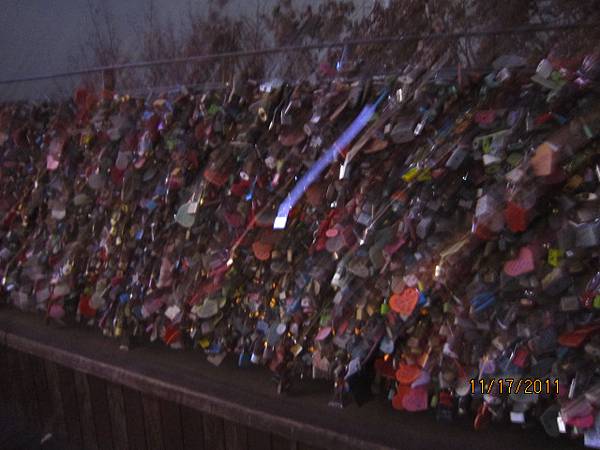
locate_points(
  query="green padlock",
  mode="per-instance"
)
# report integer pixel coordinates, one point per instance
(385, 308)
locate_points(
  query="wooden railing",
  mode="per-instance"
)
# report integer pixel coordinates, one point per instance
(78, 385)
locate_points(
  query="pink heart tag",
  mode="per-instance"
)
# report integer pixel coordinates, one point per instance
(323, 333)
(51, 163)
(56, 311)
(486, 117)
(416, 399)
(586, 421)
(522, 264)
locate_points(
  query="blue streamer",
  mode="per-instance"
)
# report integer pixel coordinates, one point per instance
(325, 160)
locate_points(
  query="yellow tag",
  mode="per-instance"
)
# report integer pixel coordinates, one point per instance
(411, 174)
(359, 313)
(554, 256)
(296, 349)
(370, 310)
(425, 175)
(86, 139)
(574, 182)
(204, 343)
(486, 145)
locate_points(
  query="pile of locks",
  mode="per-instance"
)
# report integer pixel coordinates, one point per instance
(424, 238)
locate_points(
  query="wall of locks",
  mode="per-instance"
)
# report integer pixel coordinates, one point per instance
(452, 244)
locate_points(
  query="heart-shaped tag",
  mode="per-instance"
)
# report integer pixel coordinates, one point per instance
(208, 309)
(51, 163)
(183, 216)
(522, 264)
(405, 302)
(85, 307)
(398, 399)
(323, 333)
(416, 399)
(56, 311)
(544, 158)
(261, 250)
(407, 373)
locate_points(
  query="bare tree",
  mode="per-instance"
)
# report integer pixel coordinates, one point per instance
(218, 32)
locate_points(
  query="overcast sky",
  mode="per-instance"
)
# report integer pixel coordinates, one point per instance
(39, 37)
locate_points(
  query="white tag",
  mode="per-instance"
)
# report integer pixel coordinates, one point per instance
(411, 280)
(591, 438)
(279, 223)
(343, 169)
(544, 68)
(386, 345)
(353, 367)
(58, 214)
(515, 175)
(517, 417)
(216, 359)
(561, 424)
(192, 207)
(490, 159)
(172, 312)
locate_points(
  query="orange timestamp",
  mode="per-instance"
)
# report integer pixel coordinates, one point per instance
(514, 386)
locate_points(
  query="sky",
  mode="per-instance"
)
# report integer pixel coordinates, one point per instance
(39, 37)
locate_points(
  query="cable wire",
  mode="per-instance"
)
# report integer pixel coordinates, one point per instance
(295, 48)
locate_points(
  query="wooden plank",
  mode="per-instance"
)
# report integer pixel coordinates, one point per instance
(236, 436)
(70, 405)
(99, 405)
(152, 422)
(57, 420)
(259, 439)
(280, 443)
(6, 392)
(116, 408)
(171, 425)
(303, 446)
(192, 424)
(31, 403)
(134, 415)
(15, 386)
(88, 429)
(247, 398)
(214, 432)
(43, 395)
